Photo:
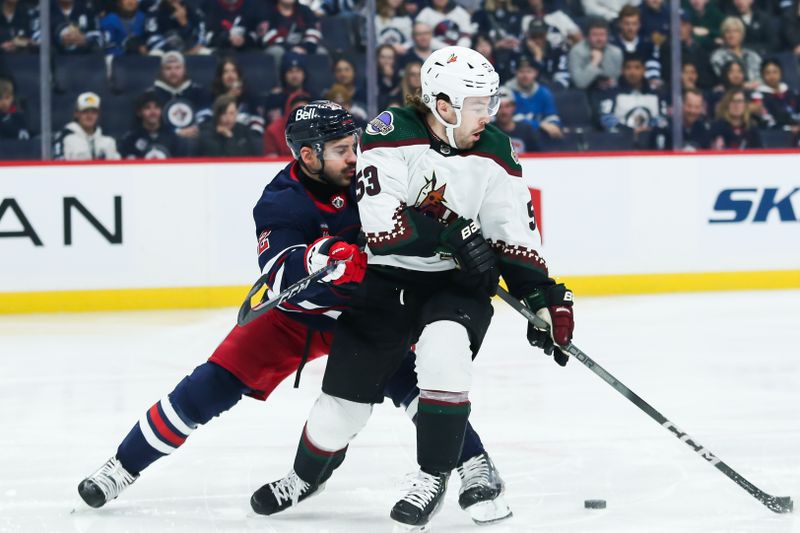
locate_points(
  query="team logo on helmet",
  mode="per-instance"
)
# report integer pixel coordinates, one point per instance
(381, 125)
(452, 59)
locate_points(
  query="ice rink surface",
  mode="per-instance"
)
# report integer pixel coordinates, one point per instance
(723, 366)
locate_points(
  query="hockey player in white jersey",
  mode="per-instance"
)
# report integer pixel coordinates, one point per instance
(445, 211)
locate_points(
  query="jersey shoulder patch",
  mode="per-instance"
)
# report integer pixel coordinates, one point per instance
(496, 145)
(397, 126)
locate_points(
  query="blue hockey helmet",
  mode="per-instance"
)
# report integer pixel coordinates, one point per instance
(315, 123)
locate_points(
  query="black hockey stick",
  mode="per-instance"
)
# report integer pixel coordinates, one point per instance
(249, 312)
(778, 504)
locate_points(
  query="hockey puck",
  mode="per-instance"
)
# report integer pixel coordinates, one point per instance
(594, 504)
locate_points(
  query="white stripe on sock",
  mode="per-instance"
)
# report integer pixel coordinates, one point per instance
(151, 438)
(174, 418)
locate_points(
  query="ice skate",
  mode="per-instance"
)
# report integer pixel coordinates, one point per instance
(105, 484)
(281, 494)
(482, 490)
(414, 510)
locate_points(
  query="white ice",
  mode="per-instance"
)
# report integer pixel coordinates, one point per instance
(723, 366)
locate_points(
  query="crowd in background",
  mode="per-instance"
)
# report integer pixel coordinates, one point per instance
(575, 74)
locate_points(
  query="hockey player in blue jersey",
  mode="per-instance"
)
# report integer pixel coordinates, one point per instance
(305, 218)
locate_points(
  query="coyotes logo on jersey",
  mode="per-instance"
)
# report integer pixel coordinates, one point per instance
(431, 202)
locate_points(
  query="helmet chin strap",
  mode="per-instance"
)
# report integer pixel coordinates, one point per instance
(449, 128)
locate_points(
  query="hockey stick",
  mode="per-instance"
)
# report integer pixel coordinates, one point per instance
(778, 504)
(248, 312)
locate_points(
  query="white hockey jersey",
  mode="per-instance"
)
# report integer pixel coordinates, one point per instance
(410, 185)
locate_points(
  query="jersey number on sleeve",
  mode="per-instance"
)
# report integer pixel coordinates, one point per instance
(367, 181)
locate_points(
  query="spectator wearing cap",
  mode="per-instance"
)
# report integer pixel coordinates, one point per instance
(388, 76)
(631, 104)
(177, 26)
(501, 21)
(781, 104)
(12, 122)
(553, 58)
(607, 10)
(293, 78)
(451, 23)
(123, 28)
(392, 25)
(522, 135)
(560, 30)
(534, 102)
(291, 26)
(733, 39)
(628, 39)
(149, 139)
(186, 103)
(422, 37)
(82, 139)
(229, 79)
(696, 133)
(234, 24)
(734, 127)
(594, 63)
(74, 27)
(15, 27)
(706, 19)
(343, 96)
(655, 21)
(275, 134)
(223, 136)
(759, 32)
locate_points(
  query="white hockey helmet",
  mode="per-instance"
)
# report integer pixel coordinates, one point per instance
(458, 73)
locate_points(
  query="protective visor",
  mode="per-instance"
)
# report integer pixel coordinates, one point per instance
(341, 148)
(480, 106)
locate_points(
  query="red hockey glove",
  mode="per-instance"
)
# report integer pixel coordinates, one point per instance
(327, 250)
(553, 304)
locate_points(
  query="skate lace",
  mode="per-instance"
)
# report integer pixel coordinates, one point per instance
(474, 473)
(289, 488)
(423, 488)
(112, 478)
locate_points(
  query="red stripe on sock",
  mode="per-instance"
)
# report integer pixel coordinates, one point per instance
(162, 428)
(431, 401)
(313, 449)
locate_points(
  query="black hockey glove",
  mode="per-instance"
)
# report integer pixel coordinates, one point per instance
(553, 304)
(464, 241)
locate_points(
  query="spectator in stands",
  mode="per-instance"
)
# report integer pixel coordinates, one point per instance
(230, 80)
(696, 134)
(629, 41)
(706, 19)
(75, 29)
(15, 27)
(291, 26)
(607, 10)
(501, 21)
(83, 139)
(12, 122)
(760, 35)
(790, 27)
(534, 102)
(689, 76)
(594, 63)
(733, 37)
(451, 23)
(392, 25)
(123, 28)
(781, 104)
(223, 136)
(176, 25)
(412, 82)
(344, 73)
(275, 134)
(522, 134)
(185, 103)
(655, 21)
(293, 79)
(149, 139)
(234, 24)
(553, 58)
(732, 77)
(692, 51)
(632, 104)
(343, 96)
(422, 36)
(388, 77)
(559, 28)
(483, 44)
(734, 128)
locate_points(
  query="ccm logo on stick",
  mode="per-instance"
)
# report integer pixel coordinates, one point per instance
(737, 205)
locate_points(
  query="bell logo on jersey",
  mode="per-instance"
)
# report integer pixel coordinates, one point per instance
(263, 241)
(431, 202)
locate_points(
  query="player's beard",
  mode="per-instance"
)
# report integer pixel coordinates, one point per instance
(342, 178)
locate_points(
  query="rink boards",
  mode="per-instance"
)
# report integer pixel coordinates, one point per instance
(180, 234)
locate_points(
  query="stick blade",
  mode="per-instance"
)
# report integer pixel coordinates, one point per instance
(780, 504)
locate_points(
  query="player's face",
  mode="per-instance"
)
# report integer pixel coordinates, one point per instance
(476, 113)
(340, 160)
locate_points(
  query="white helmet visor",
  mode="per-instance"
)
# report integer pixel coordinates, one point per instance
(341, 148)
(475, 107)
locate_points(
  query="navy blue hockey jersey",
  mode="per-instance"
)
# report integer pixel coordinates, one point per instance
(293, 212)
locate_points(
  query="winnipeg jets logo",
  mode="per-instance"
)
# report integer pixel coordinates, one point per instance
(431, 201)
(337, 201)
(263, 241)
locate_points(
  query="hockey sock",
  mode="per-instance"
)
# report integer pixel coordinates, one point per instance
(473, 446)
(207, 392)
(441, 424)
(313, 464)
